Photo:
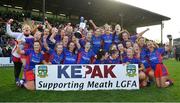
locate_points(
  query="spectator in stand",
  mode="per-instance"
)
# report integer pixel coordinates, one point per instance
(177, 53)
(1, 53)
(5, 52)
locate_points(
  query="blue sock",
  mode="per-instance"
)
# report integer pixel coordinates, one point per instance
(17, 79)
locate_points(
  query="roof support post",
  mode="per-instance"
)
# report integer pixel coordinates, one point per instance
(44, 5)
(121, 17)
(162, 26)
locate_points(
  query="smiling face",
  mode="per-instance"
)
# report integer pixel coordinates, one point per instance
(26, 30)
(136, 48)
(37, 46)
(89, 36)
(65, 40)
(46, 31)
(71, 46)
(128, 44)
(87, 46)
(37, 35)
(130, 53)
(62, 33)
(59, 48)
(107, 29)
(115, 55)
(97, 32)
(120, 47)
(117, 28)
(141, 41)
(69, 30)
(125, 36)
(150, 45)
(113, 47)
(73, 39)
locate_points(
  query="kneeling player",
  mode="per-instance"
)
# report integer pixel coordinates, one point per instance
(160, 71)
(132, 60)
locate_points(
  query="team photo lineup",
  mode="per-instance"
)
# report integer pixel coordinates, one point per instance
(80, 44)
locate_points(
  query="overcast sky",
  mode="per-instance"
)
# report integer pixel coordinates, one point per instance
(169, 8)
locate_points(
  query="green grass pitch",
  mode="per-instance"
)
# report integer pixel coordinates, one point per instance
(9, 92)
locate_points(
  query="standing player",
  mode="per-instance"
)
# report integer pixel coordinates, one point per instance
(116, 36)
(101, 57)
(107, 38)
(122, 51)
(34, 57)
(70, 57)
(126, 36)
(16, 57)
(56, 54)
(96, 41)
(85, 55)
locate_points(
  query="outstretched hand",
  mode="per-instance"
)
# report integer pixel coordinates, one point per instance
(91, 21)
(10, 21)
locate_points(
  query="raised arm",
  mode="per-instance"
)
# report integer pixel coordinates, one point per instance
(93, 24)
(168, 47)
(54, 31)
(9, 31)
(19, 51)
(45, 43)
(77, 43)
(141, 33)
(48, 25)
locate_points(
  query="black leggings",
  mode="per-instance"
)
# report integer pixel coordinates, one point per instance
(17, 69)
(177, 57)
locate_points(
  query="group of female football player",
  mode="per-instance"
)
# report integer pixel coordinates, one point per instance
(75, 45)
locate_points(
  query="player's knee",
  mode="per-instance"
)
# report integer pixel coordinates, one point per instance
(142, 76)
(151, 74)
(158, 84)
(30, 85)
(144, 83)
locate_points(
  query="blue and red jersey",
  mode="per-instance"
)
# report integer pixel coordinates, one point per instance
(116, 39)
(101, 62)
(29, 42)
(155, 57)
(108, 40)
(132, 39)
(82, 42)
(123, 55)
(144, 57)
(57, 38)
(131, 60)
(69, 57)
(96, 43)
(50, 44)
(55, 58)
(97, 62)
(33, 59)
(114, 61)
(85, 57)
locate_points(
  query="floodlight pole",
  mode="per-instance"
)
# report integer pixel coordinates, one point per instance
(44, 5)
